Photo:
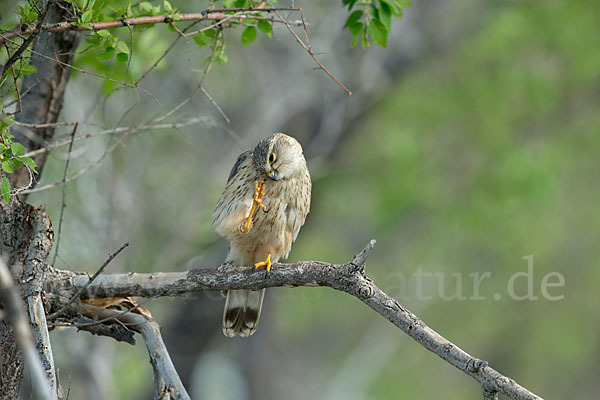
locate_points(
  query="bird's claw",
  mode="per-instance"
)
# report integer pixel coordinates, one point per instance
(266, 263)
(259, 192)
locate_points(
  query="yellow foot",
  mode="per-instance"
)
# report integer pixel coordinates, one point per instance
(259, 192)
(266, 263)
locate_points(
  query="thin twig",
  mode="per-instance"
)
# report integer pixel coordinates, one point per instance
(98, 272)
(204, 75)
(64, 193)
(214, 103)
(51, 125)
(310, 51)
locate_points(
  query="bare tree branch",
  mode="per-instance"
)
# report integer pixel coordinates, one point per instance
(16, 315)
(167, 384)
(348, 278)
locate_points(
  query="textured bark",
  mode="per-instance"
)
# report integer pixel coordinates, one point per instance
(25, 239)
(43, 92)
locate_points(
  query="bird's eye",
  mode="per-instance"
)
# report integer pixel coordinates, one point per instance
(272, 158)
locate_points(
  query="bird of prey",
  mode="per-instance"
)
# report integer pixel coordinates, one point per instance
(260, 212)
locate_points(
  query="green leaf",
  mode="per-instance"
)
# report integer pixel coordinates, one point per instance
(355, 29)
(109, 53)
(86, 16)
(28, 161)
(201, 39)
(349, 3)
(122, 58)
(265, 27)
(167, 6)
(378, 32)
(7, 167)
(16, 163)
(385, 14)
(122, 47)
(241, 3)
(353, 18)
(17, 149)
(248, 35)
(5, 189)
(27, 69)
(104, 34)
(145, 7)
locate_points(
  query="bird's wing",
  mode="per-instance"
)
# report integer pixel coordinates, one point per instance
(234, 205)
(297, 211)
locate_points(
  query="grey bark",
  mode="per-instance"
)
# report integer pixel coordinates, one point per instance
(25, 240)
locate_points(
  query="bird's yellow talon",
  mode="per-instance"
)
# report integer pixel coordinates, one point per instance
(259, 192)
(266, 263)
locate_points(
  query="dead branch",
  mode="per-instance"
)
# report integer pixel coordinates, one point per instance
(167, 384)
(347, 277)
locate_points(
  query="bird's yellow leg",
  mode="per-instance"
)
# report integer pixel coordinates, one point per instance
(266, 263)
(259, 192)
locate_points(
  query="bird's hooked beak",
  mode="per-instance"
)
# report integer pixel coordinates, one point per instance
(272, 175)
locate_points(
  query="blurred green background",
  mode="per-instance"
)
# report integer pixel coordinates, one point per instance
(468, 144)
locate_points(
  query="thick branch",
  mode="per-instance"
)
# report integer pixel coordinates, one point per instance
(348, 278)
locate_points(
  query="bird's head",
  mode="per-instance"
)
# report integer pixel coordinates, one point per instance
(279, 157)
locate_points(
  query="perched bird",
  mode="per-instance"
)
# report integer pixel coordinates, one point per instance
(260, 212)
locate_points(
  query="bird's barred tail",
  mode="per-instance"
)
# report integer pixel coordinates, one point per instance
(242, 312)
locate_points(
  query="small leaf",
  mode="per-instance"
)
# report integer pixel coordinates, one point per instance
(349, 3)
(86, 16)
(5, 189)
(385, 14)
(201, 39)
(104, 34)
(17, 149)
(353, 18)
(122, 47)
(7, 167)
(167, 6)
(28, 161)
(248, 35)
(265, 27)
(122, 58)
(16, 163)
(145, 7)
(27, 69)
(109, 53)
(378, 32)
(355, 29)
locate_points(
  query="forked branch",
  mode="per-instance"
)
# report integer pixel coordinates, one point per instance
(348, 278)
